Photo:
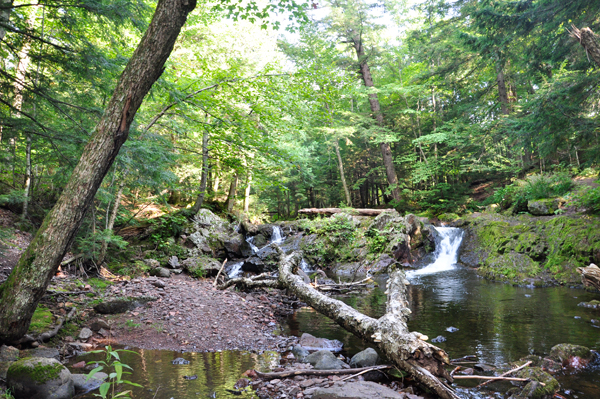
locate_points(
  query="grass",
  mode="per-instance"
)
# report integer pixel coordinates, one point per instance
(132, 324)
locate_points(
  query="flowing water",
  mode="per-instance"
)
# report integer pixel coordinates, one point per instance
(277, 236)
(496, 322)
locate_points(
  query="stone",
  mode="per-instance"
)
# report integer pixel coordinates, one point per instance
(233, 245)
(39, 378)
(486, 368)
(83, 385)
(8, 353)
(311, 342)
(157, 283)
(366, 358)
(300, 353)
(533, 389)
(152, 263)
(324, 360)
(160, 272)
(572, 356)
(85, 333)
(98, 324)
(173, 262)
(199, 241)
(253, 264)
(353, 390)
(51, 353)
(543, 207)
(438, 339)
(122, 305)
(180, 361)
(205, 218)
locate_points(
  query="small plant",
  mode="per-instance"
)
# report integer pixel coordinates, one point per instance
(590, 200)
(6, 395)
(112, 363)
(132, 324)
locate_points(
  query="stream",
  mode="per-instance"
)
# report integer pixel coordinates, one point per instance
(461, 312)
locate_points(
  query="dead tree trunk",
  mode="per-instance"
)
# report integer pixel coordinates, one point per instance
(202, 194)
(28, 281)
(589, 41)
(331, 211)
(407, 350)
(590, 276)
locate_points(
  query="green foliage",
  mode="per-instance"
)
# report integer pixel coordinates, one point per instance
(377, 241)
(13, 197)
(98, 283)
(6, 395)
(116, 369)
(589, 199)
(90, 245)
(41, 321)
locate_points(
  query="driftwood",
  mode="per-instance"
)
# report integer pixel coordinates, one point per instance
(590, 276)
(264, 280)
(293, 373)
(407, 350)
(219, 273)
(509, 372)
(331, 211)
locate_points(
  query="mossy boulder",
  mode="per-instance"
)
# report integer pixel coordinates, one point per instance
(39, 378)
(573, 356)
(543, 207)
(519, 249)
(201, 266)
(534, 388)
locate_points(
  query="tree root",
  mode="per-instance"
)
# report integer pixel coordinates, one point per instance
(48, 335)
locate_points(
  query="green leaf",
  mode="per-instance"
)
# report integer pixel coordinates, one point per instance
(104, 389)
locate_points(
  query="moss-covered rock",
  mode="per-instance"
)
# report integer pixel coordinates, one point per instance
(523, 249)
(534, 388)
(39, 378)
(571, 355)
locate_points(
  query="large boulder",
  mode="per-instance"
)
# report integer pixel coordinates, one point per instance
(354, 390)
(205, 218)
(160, 272)
(39, 378)
(543, 207)
(311, 342)
(233, 245)
(366, 358)
(541, 385)
(201, 266)
(571, 356)
(197, 240)
(8, 354)
(324, 360)
(122, 305)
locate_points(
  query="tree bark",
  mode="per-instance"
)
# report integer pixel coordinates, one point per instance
(111, 220)
(386, 151)
(200, 199)
(502, 92)
(407, 350)
(342, 176)
(590, 276)
(28, 281)
(232, 193)
(589, 40)
(4, 16)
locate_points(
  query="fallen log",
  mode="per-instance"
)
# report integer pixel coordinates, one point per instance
(331, 211)
(590, 276)
(264, 280)
(293, 373)
(407, 350)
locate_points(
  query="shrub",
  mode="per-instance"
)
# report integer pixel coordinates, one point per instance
(590, 200)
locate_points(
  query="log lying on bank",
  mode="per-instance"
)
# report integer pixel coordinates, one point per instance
(590, 276)
(407, 350)
(331, 211)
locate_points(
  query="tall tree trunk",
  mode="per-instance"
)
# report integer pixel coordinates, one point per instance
(247, 192)
(502, 91)
(111, 220)
(5, 9)
(28, 281)
(590, 42)
(200, 199)
(386, 151)
(339, 157)
(232, 193)
(217, 181)
(27, 177)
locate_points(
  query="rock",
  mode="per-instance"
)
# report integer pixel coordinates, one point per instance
(382, 220)
(324, 360)
(83, 385)
(300, 353)
(438, 339)
(8, 353)
(253, 264)
(486, 368)
(572, 356)
(260, 240)
(39, 378)
(152, 263)
(85, 333)
(156, 283)
(452, 329)
(173, 262)
(180, 361)
(160, 272)
(543, 207)
(122, 305)
(311, 342)
(534, 389)
(205, 218)
(353, 390)
(381, 265)
(366, 358)
(199, 241)
(201, 266)
(233, 245)
(98, 324)
(50, 353)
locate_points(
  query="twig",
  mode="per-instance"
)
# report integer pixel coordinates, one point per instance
(505, 374)
(218, 274)
(357, 374)
(292, 373)
(455, 370)
(464, 358)
(74, 258)
(485, 377)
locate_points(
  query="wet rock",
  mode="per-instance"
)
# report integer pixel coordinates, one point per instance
(324, 360)
(352, 390)
(467, 371)
(572, 356)
(85, 333)
(382, 265)
(311, 342)
(160, 272)
(253, 264)
(533, 389)
(246, 249)
(595, 304)
(543, 207)
(39, 378)
(8, 355)
(366, 358)
(190, 377)
(260, 240)
(180, 361)
(486, 368)
(438, 339)
(83, 385)
(452, 329)
(233, 245)
(300, 353)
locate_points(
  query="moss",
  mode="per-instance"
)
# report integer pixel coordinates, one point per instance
(98, 283)
(38, 372)
(534, 389)
(448, 217)
(41, 321)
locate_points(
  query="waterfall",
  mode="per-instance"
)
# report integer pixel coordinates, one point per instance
(250, 240)
(236, 270)
(277, 237)
(306, 268)
(448, 242)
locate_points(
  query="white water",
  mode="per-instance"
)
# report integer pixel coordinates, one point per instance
(306, 268)
(277, 236)
(250, 240)
(446, 252)
(236, 270)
